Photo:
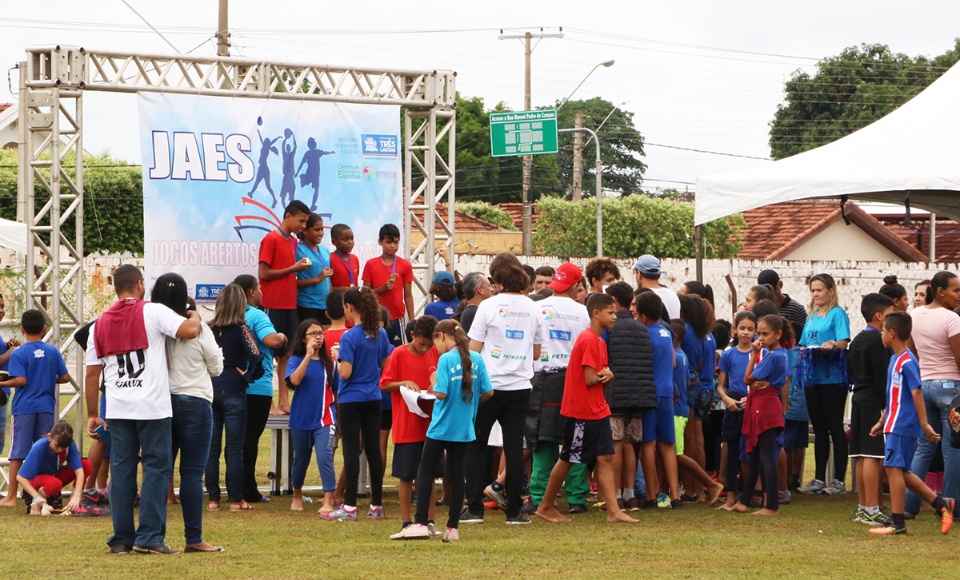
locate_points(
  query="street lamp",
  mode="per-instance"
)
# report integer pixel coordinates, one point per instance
(606, 63)
(604, 122)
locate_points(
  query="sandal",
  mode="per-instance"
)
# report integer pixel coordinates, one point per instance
(213, 506)
(241, 507)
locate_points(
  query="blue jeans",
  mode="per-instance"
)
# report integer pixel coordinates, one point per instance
(937, 395)
(127, 438)
(230, 413)
(306, 442)
(3, 427)
(192, 422)
(639, 484)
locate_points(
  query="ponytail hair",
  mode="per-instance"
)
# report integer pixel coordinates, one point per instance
(453, 330)
(365, 302)
(780, 324)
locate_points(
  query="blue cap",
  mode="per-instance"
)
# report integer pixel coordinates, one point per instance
(444, 279)
(647, 264)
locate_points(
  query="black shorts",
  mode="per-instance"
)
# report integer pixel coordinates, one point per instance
(304, 313)
(386, 419)
(862, 419)
(285, 322)
(732, 426)
(796, 434)
(585, 440)
(406, 461)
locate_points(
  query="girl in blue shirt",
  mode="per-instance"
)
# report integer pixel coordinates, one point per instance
(363, 352)
(766, 375)
(733, 392)
(461, 384)
(313, 284)
(828, 330)
(311, 414)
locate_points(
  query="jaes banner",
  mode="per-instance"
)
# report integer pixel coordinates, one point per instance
(217, 173)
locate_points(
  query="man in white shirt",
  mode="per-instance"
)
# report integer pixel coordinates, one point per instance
(563, 320)
(647, 270)
(127, 346)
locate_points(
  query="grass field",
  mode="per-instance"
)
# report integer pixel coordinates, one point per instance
(812, 538)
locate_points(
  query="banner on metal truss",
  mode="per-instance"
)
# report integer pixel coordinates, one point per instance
(217, 173)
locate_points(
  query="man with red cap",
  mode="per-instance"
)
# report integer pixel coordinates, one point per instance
(564, 319)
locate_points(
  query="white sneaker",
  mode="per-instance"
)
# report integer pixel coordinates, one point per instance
(434, 532)
(451, 535)
(412, 532)
(815, 486)
(836, 487)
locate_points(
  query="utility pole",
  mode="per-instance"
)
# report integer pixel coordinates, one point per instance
(578, 157)
(223, 31)
(527, 37)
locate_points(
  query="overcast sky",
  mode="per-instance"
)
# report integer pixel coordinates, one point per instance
(698, 75)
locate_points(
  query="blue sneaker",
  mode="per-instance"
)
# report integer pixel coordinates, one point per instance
(376, 513)
(341, 514)
(815, 486)
(663, 501)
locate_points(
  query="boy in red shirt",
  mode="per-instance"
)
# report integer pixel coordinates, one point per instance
(382, 275)
(410, 367)
(345, 264)
(587, 437)
(278, 281)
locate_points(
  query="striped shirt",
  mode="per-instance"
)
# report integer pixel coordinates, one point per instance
(903, 376)
(793, 310)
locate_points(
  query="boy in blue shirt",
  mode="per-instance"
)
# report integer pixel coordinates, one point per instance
(35, 370)
(659, 432)
(902, 423)
(53, 463)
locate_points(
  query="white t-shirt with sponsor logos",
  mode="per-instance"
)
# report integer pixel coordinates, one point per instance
(563, 321)
(670, 300)
(138, 383)
(508, 325)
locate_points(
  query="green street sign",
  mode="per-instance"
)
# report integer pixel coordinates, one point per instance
(523, 133)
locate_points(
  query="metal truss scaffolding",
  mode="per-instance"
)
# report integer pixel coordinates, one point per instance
(54, 79)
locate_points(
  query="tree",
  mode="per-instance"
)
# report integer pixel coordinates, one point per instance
(112, 201)
(488, 213)
(632, 225)
(848, 92)
(621, 146)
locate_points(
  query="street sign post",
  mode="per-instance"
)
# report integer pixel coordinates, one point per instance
(523, 133)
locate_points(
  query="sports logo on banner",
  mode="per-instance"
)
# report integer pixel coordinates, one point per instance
(217, 173)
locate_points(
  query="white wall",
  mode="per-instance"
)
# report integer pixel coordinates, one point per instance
(842, 242)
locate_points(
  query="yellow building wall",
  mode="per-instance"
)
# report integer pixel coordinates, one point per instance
(483, 242)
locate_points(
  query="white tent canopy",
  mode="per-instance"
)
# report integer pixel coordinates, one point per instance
(13, 235)
(915, 149)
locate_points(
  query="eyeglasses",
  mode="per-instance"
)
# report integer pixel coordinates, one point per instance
(315, 333)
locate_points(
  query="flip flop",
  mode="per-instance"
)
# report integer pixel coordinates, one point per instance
(213, 506)
(193, 550)
(243, 507)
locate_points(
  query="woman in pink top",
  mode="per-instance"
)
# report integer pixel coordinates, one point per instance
(936, 342)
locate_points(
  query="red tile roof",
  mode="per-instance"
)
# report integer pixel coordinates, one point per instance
(917, 234)
(463, 222)
(515, 209)
(773, 231)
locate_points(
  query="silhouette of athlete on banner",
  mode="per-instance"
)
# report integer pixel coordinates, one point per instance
(263, 168)
(312, 174)
(288, 187)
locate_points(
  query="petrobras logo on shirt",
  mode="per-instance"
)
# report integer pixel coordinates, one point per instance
(544, 356)
(495, 353)
(514, 334)
(562, 335)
